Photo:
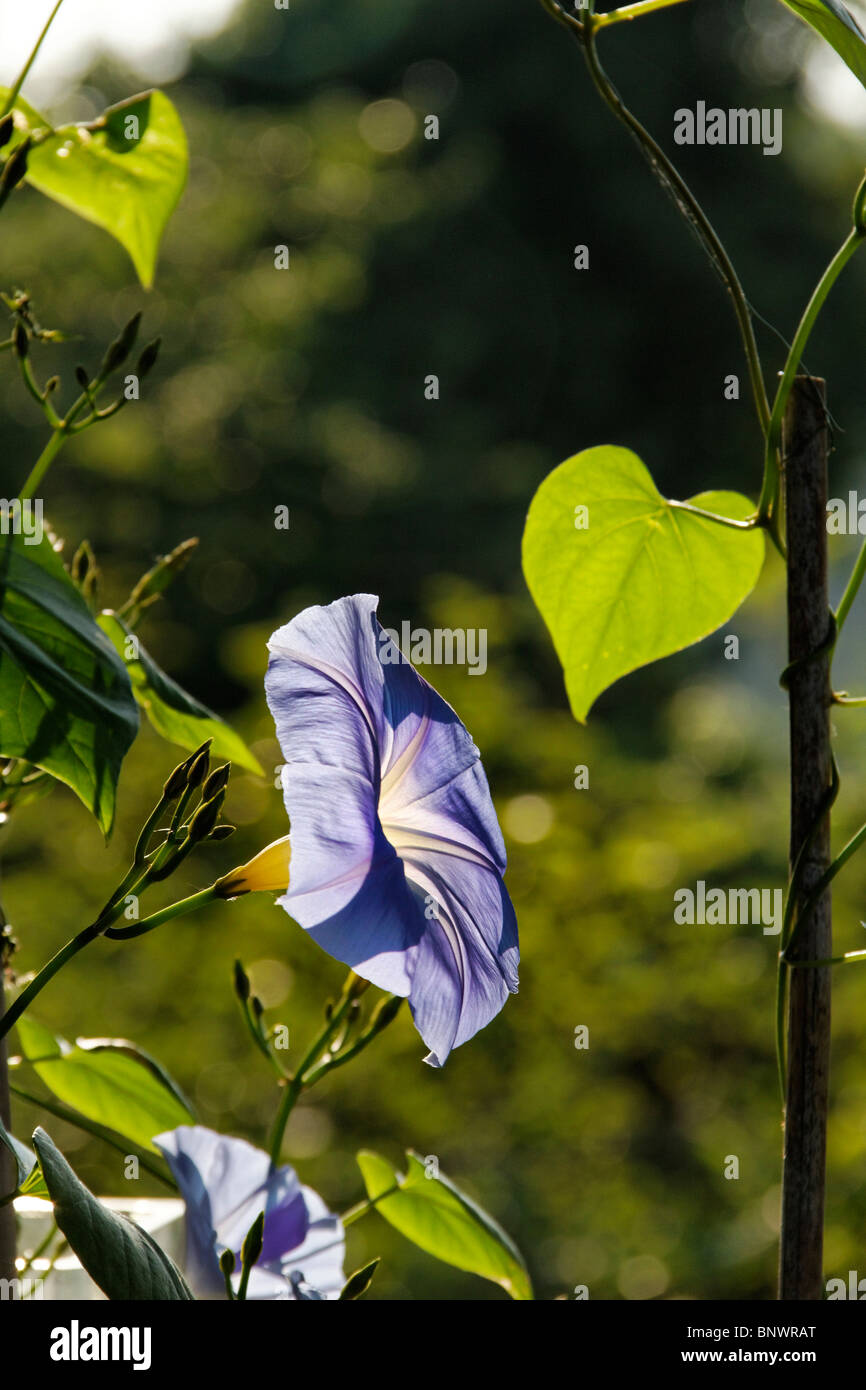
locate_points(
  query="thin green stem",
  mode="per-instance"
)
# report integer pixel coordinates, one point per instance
(561, 16)
(59, 1250)
(340, 1058)
(40, 1249)
(64, 1112)
(688, 205)
(165, 914)
(48, 971)
(851, 590)
(22, 76)
(44, 461)
(361, 1208)
(352, 988)
(636, 11)
(849, 958)
(770, 488)
(824, 882)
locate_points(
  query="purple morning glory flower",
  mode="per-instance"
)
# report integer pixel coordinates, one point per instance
(397, 858)
(226, 1183)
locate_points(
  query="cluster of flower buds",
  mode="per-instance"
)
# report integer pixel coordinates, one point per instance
(197, 796)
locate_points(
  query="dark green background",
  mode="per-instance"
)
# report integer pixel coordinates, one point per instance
(306, 389)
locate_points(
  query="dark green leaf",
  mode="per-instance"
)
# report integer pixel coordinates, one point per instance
(65, 699)
(119, 1256)
(176, 716)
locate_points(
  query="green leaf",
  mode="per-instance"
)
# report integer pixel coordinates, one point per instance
(835, 23)
(109, 1081)
(439, 1218)
(176, 716)
(644, 578)
(24, 1158)
(358, 1283)
(125, 171)
(119, 1256)
(65, 699)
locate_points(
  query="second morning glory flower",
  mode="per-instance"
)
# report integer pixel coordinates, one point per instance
(397, 859)
(226, 1183)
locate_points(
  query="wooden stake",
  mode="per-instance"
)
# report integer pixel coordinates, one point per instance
(805, 450)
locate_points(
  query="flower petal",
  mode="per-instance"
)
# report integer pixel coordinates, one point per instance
(391, 817)
(226, 1183)
(466, 964)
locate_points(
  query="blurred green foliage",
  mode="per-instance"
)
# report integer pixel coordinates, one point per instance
(305, 389)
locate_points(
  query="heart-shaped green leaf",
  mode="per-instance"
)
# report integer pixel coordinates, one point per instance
(124, 171)
(65, 698)
(435, 1215)
(176, 715)
(835, 23)
(119, 1256)
(109, 1080)
(621, 576)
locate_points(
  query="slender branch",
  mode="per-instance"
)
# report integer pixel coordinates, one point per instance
(361, 1208)
(851, 591)
(44, 461)
(825, 880)
(22, 76)
(849, 958)
(636, 11)
(48, 971)
(165, 914)
(674, 184)
(353, 987)
(770, 489)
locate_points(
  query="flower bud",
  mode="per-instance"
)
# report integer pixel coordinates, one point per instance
(253, 1242)
(119, 350)
(197, 769)
(215, 783)
(206, 817)
(148, 358)
(267, 872)
(176, 782)
(242, 982)
(222, 832)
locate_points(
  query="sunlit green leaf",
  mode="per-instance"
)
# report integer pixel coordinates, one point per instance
(65, 698)
(175, 715)
(124, 171)
(835, 23)
(633, 577)
(109, 1081)
(439, 1218)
